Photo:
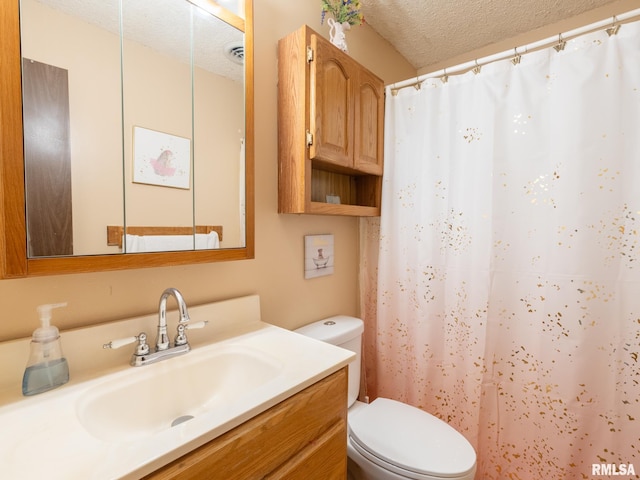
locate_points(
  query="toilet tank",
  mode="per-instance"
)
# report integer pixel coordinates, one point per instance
(345, 332)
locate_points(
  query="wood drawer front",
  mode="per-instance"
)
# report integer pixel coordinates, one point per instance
(308, 427)
(324, 459)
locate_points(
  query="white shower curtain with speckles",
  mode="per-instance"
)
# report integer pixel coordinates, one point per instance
(501, 285)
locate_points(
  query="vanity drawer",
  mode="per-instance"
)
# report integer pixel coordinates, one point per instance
(302, 437)
(319, 461)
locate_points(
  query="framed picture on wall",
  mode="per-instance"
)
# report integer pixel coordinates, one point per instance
(318, 255)
(161, 159)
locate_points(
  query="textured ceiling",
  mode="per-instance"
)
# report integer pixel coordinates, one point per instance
(430, 31)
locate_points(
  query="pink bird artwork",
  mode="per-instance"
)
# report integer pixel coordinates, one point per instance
(163, 165)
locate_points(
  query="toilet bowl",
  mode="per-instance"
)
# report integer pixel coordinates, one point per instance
(387, 439)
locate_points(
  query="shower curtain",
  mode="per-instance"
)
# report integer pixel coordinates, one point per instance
(501, 284)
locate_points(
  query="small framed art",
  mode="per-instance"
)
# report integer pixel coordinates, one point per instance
(161, 159)
(318, 255)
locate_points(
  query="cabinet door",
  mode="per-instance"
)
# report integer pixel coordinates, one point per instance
(331, 104)
(369, 124)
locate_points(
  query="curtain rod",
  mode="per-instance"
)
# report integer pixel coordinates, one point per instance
(556, 41)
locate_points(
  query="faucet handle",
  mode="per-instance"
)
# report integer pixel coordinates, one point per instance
(181, 338)
(201, 324)
(141, 349)
(121, 342)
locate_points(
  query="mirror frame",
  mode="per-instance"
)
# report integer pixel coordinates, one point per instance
(14, 262)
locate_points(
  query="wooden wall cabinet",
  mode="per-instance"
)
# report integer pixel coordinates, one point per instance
(330, 129)
(304, 436)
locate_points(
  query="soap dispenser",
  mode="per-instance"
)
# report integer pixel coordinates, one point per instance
(46, 368)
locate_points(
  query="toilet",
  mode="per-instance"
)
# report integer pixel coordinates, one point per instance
(387, 439)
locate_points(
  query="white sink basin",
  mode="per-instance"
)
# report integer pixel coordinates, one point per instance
(157, 397)
(114, 421)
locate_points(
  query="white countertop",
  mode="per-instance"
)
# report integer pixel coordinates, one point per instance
(43, 437)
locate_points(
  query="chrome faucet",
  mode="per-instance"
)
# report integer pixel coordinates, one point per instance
(164, 349)
(162, 340)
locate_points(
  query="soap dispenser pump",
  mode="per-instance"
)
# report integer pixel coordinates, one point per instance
(46, 367)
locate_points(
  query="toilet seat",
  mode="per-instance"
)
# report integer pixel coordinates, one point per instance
(410, 442)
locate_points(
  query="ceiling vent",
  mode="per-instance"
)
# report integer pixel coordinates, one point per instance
(235, 52)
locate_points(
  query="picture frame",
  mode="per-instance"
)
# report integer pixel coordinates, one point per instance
(161, 159)
(318, 256)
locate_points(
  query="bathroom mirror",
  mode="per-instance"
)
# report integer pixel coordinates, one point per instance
(141, 115)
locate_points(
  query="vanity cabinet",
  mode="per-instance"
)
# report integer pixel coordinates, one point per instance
(304, 436)
(330, 129)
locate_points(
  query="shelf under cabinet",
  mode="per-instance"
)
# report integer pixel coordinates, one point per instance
(359, 194)
(348, 210)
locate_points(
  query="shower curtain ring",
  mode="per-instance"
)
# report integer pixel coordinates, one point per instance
(445, 77)
(560, 45)
(613, 29)
(517, 57)
(477, 68)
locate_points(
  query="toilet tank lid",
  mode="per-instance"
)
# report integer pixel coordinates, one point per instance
(334, 330)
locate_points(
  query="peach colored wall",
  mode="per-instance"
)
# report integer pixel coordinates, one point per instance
(276, 274)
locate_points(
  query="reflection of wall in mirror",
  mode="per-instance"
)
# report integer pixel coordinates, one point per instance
(216, 137)
(96, 140)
